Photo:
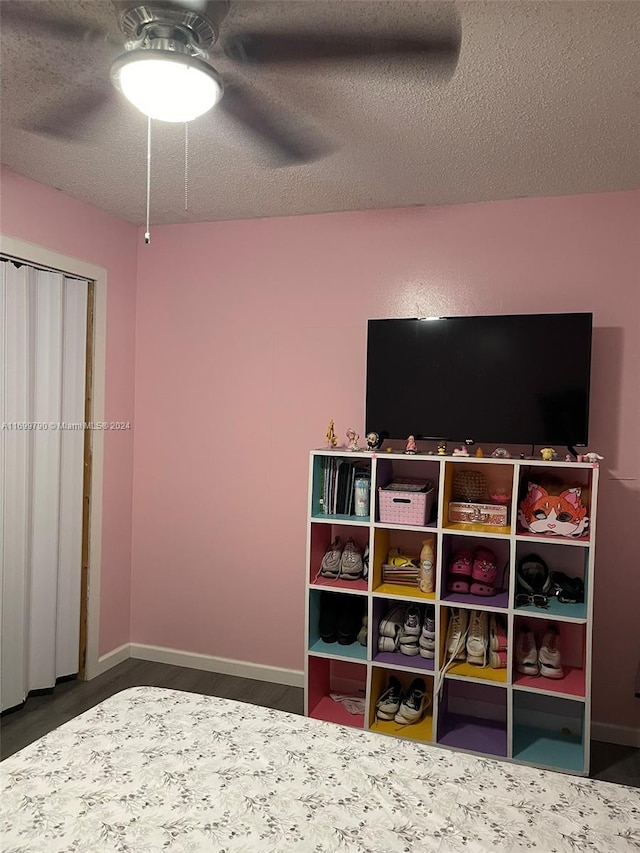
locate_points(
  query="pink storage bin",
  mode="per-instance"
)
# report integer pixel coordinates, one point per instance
(410, 506)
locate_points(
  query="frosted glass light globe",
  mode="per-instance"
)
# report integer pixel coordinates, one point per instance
(167, 86)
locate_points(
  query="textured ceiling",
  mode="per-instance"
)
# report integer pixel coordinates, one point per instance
(545, 100)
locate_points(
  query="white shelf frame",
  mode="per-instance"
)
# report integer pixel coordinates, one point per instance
(511, 612)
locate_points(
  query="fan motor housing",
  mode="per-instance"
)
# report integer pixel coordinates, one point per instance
(181, 26)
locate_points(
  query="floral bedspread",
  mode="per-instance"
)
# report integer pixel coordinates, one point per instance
(153, 770)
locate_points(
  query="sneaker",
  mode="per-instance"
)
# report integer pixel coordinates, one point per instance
(414, 703)
(427, 642)
(526, 651)
(391, 624)
(388, 704)
(363, 634)
(351, 562)
(478, 638)
(330, 565)
(412, 621)
(549, 655)
(497, 633)
(459, 572)
(498, 660)
(387, 644)
(365, 562)
(457, 634)
(568, 590)
(497, 642)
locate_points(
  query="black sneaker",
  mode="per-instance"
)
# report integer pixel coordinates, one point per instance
(389, 702)
(567, 590)
(414, 703)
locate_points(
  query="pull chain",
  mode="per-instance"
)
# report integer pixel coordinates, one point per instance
(186, 165)
(147, 233)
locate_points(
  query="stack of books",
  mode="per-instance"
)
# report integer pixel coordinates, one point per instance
(338, 481)
(402, 575)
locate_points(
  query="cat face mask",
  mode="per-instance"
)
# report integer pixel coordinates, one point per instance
(555, 515)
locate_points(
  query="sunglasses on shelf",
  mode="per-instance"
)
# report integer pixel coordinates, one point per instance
(537, 600)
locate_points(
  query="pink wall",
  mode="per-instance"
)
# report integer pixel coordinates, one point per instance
(45, 216)
(251, 335)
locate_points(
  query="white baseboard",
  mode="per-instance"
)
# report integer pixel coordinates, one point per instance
(111, 659)
(623, 735)
(224, 666)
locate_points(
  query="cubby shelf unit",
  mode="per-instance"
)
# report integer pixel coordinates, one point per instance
(496, 712)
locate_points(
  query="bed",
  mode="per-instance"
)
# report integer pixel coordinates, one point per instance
(152, 769)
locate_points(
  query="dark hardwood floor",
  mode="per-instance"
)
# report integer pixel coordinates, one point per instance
(41, 714)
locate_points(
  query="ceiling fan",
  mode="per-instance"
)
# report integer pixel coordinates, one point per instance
(162, 64)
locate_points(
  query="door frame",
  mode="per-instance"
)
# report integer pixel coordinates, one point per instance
(31, 253)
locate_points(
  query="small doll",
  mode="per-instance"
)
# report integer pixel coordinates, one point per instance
(411, 448)
(352, 439)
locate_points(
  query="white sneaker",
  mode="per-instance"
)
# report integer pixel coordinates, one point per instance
(392, 622)
(428, 634)
(549, 655)
(387, 644)
(457, 633)
(414, 703)
(478, 638)
(526, 651)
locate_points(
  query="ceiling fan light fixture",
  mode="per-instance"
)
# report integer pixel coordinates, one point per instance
(167, 86)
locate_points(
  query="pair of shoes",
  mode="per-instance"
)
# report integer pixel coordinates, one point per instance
(477, 638)
(531, 661)
(409, 629)
(342, 561)
(341, 617)
(407, 708)
(473, 573)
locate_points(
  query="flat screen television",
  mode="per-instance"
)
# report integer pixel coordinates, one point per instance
(513, 379)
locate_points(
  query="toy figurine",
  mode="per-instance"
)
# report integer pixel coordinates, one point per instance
(442, 449)
(501, 453)
(330, 438)
(411, 448)
(373, 441)
(568, 457)
(548, 454)
(479, 453)
(460, 451)
(352, 439)
(590, 457)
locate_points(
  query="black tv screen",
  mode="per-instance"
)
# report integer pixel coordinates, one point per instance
(515, 379)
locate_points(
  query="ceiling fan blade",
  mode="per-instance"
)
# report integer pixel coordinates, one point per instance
(278, 48)
(289, 143)
(70, 119)
(33, 19)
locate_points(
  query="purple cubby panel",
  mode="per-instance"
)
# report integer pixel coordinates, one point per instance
(473, 717)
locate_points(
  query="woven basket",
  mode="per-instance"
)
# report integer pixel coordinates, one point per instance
(469, 486)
